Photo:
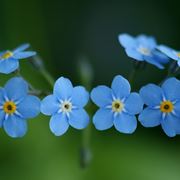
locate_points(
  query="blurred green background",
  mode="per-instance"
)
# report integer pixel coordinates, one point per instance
(64, 32)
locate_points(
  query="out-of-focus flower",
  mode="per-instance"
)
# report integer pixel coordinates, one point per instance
(171, 53)
(143, 48)
(117, 106)
(65, 106)
(163, 106)
(9, 60)
(16, 106)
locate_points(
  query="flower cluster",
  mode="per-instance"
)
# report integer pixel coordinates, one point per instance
(153, 105)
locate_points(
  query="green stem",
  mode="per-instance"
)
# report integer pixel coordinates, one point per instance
(47, 76)
(132, 76)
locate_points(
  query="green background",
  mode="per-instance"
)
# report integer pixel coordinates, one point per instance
(63, 32)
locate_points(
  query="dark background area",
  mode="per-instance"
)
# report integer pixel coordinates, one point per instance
(63, 32)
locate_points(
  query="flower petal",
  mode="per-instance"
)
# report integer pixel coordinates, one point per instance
(50, 105)
(160, 57)
(150, 117)
(8, 65)
(134, 104)
(63, 88)
(146, 41)
(79, 119)
(168, 52)
(58, 124)
(2, 116)
(168, 127)
(21, 48)
(23, 55)
(177, 109)
(16, 89)
(103, 119)
(121, 87)
(29, 107)
(80, 96)
(126, 40)
(154, 61)
(15, 126)
(2, 94)
(125, 123)
(133, 53)
(151, 94)
(101, 96)
(171, 88)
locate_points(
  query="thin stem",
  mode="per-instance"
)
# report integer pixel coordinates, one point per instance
(132, 76)
(47, 76)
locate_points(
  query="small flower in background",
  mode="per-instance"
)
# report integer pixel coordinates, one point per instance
(163, 106)
(9, 60)
(143, 48)
(171, 53)
(66, 106)
(16, 106)
(117, 106)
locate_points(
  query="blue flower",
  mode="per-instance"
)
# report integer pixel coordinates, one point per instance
(117, 106)
(163, 106)
(143, 48)
(171, 53)
(9, 60)
(16, 106)
(65, 106)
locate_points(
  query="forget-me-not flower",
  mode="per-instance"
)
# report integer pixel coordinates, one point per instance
(117, 106)
(163, 106)
(9, 60)
(143, 48)
(16, 106)
(66, 106)
(171, 53)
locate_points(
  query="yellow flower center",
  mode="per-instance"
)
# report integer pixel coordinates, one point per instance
(9, 107)
(6, 55)
(166, 106)
(144, 51)
(117, 106)
(178, 54)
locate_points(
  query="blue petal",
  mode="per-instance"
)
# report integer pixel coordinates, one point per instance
(80, 96)
(58, 124)
(154, 61)
(171, 88)
(21, 48)
(126, 40)
(177, 108)
(168, 127)
(151, 94)
(23, 55)
(50, 105)
(150, 117)
(29, 107)
(174, 121)
(125, 123)
(168, 52)
(160, 57)
(2, 117)
(178, 62)
(16, 89)
(15, 126)
(101, 96)
(8, 65)
(146, 41)
(79, 119)
(103, 119)
(63, 88)
(133, 104)
(121, 87)
(2, 95)
(133, 53)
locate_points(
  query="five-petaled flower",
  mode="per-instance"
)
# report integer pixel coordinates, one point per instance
(143, 48)
(171, 53)
(66, 106)
(16, 106)
(9, 60)
(117, 106)
(163, 106)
